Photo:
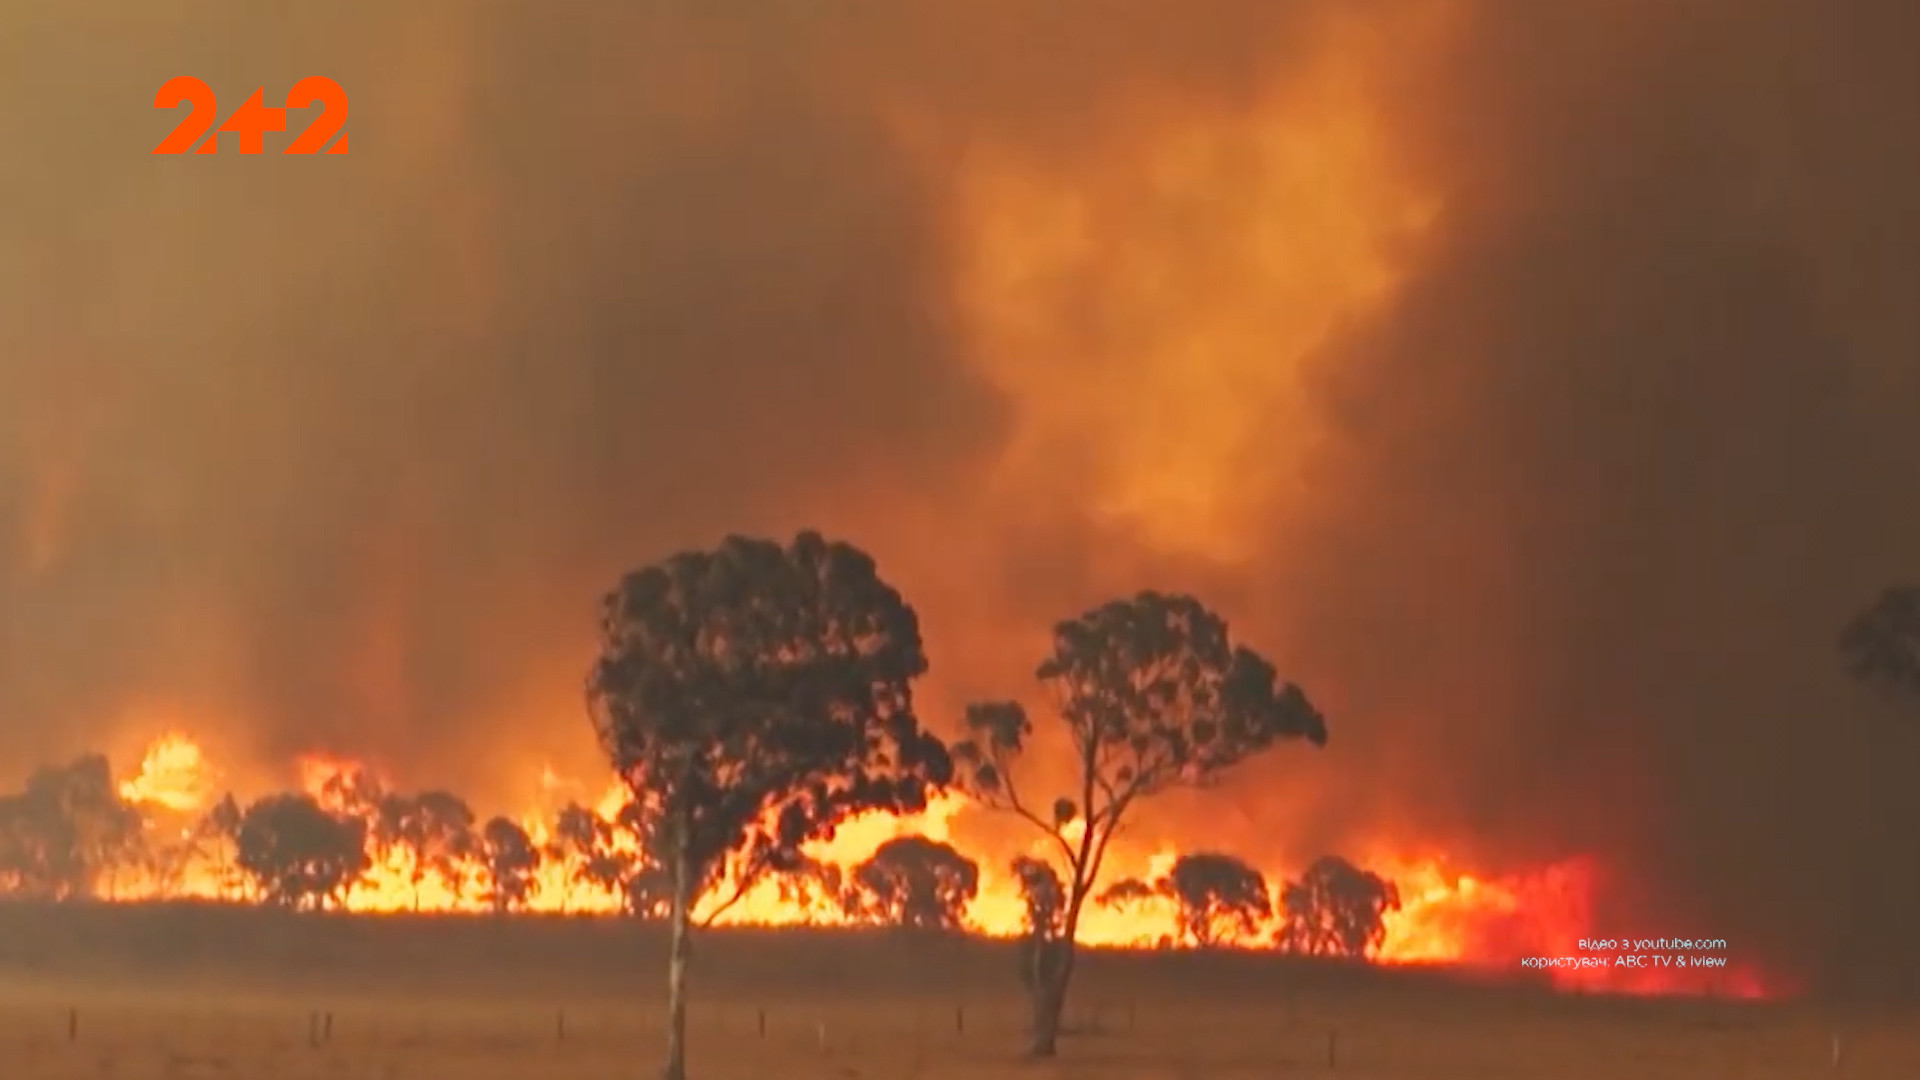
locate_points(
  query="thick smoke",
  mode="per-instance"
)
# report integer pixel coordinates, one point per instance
(1540, 384)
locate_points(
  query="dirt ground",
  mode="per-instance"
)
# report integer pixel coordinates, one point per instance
(192, 993)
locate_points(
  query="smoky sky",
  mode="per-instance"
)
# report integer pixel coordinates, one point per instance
(337, 452)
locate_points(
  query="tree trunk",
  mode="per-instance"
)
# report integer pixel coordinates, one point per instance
(681, 919)
(1052, 972)
(1055, 969)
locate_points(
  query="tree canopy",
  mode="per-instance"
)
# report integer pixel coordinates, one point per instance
(752, 697)
(299, 854)
(1152, 693)
(913, 882)
(1336, 909)
(1217, 898)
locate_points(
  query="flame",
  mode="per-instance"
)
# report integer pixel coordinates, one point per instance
(1445, 917)
(174, 774)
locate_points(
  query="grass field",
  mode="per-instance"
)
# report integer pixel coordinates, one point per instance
(184, 993)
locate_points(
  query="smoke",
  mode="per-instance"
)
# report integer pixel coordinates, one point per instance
(1538, 384)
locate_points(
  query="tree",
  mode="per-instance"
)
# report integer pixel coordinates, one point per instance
(811, 884)
(583, 842)
(1881, 646)
(1153, 694)
(1044, 922)
(1221, 899)
(1217, 899)
(614, 857)
(435, 829)
(752, 697)
(354, 791)
(1336, 909)
(298, 854)
(217, 836)
(67, 830)
(914, 882)
(512, 861)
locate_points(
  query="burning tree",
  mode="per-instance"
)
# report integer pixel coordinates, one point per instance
(1336, 909)
(1152, 694)
(1881, 645)
(298, 854)
(436, 831)
(914, 882)
(1218, 899)
(752, 697)
(613, 856)
(67, 831)
(512, 861)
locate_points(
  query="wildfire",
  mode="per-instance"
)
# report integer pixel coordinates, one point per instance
(174, 774)
(1443, 917)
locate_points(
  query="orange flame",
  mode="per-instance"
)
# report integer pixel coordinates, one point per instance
(1445, 917)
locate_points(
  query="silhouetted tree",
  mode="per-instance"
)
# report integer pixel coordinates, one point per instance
(356, 792)
(911, 881)
(613, 856)
(298, 854)
(512, 862)
(217, 835)
(1216, 899)
(583, 842)
(1134, 894)
(1220, 898)
(67, 830)
(1336, 909)
(1044, 923)
(435, 829)
(1153, 694)
(752, 697)
(647, 890)
(1129, 892)
(1881, 645)
(811, 884)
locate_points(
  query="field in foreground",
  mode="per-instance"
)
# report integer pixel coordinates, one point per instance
(185, 993)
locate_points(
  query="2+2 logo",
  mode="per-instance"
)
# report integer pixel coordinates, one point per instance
(252, 119)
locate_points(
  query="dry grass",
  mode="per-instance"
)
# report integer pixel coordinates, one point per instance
(184, 994)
